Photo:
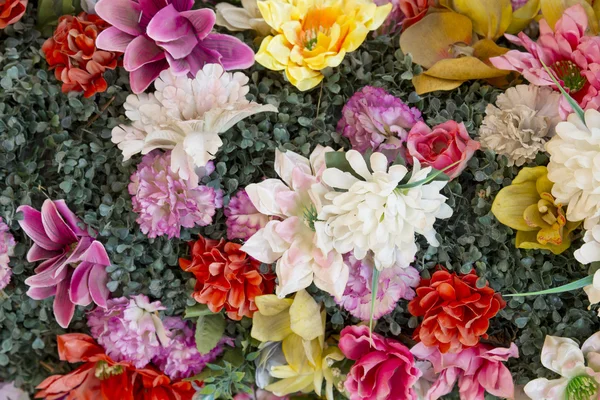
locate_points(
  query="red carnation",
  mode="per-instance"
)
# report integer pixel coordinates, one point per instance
(455, 311)
(226, 277)
(73, 55)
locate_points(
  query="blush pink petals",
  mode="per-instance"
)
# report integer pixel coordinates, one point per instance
(442, 146)
(74, 263)
(384, 368)
(477, 369)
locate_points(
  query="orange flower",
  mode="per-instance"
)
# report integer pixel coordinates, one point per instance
(455, 311)
(11, 11)
(73, 55)
(226, 277)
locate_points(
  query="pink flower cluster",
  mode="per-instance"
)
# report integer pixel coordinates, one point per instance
(243, 219)
(7, 245)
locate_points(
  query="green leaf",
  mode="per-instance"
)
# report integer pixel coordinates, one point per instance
(574, 105)
(337, 159)
(50, 10)
(209, 330)
(564, 288)
(374, 284)
(197, 310)
(434, 175)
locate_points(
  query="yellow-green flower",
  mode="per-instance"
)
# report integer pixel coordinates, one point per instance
(528, 206)
(315, 34)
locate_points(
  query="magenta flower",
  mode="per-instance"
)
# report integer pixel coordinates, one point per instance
(158, 34)
(477, 369)
(243, 219)
(7, 246)
(74, 263)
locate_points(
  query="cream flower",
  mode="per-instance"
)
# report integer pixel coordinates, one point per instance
(521, 123)
(588, 253)
(242, 18)
(374, 215)
(186, 116)
(575, 167)
(295, 200)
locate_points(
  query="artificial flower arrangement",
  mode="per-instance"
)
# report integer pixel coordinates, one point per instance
(339, 263)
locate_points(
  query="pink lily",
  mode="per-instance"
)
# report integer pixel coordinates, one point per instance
(74, 264)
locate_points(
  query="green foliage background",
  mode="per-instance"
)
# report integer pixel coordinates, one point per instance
(58, 146)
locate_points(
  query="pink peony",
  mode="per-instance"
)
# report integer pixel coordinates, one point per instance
(441, 147)
(477, 369)
(384, 368)
(395, 283)
(567, 51)
(243, 219)
(7, 246)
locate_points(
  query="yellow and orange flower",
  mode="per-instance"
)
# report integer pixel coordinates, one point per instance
(315, 34)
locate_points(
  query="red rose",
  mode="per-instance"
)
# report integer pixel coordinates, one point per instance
(11, 11)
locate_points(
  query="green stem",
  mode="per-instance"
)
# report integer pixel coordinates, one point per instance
(564, 288)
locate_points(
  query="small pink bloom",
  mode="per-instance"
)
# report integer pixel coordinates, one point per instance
(441, 147)
(7, 246)
(243, 219)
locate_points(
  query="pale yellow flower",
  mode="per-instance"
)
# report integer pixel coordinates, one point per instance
(312, 35)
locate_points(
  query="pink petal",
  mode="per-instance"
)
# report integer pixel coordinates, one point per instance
(79, 292)
(63, 306)
(41, 293)
(168, 25)
(203, 21)
(97, 284)
(122, 14)
(235, 53)
(151, 7)
(82, 246)
(141, 51)
(55, 226)
(182, 5)
(444, 384)
(96, 254)
(34, 228)
(142, 77)
(70, 218)
(37, 253)
(52, 273)
(178, 67)
(201, 56)
(180, 48)
(113, 39)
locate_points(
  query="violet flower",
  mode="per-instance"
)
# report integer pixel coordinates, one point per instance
(158, 34)
(74, 263)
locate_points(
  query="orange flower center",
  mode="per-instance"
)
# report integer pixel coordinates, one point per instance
(317, 23)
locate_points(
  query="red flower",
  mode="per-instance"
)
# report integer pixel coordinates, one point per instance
(226, 277)
(73, 55)
(455, 311)
(11, 11)
(100, 378)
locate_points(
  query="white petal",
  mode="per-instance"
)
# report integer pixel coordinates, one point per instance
(286, 162)
(263, 196)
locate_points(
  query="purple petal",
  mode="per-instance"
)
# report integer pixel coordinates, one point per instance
(180, 48)
(63, 306)
(51, 273)
(34, 228)
(235, 53)
(113, 39)
(182, 5)
(203, 21)
(37, 253)
(141, 51)
(200, 57)
(41, 293)
(79, 291)
(142, 77)
(178, 67)
(56, 228)
(48, 263)
(151, 7)
(70, 218)
(122, 14)
(96, 254)
(97, 284)
(168, 25)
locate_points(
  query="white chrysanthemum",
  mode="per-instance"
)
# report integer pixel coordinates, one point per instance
(374, 215)
(575, 165)
(186, 115)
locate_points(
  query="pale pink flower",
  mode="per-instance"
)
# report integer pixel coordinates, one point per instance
(7, 246)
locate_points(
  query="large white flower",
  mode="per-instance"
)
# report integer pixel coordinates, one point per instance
(374, 215)
(186, 115)
(575, 165)
(290, 239)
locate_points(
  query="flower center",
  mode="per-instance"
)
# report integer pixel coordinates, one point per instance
(310, 216)
(549, 216)
(581, 388)
(104, 371)
(318, 21)
(460, 49)
(568, 72)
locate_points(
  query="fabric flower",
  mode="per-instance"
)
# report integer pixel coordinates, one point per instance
(477, 369)
(404, 13)
(186, 116)
(573, 57)
(242, 18)
(74, 263)
(588, 253)
(523, 120)
(130, 329)
(167, 35)
(384, 368)
(71, 52)
(226, 277)
(290, 240)
(375, 120)
(312, 35)
(11, 11)
(260, 394)
(395, 283)
(455, 311)
(243, 219)
(7, 246)
(165, 203)
(372, 215)
(8, 391)
(564, 357)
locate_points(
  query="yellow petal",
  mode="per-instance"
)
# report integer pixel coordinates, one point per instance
(379, 17)
(295, 355)
(464, 68)
(424, 84)
(283, 371)
(429, 40)
(356, 36)
(302, 77)
(510, 204)
(552, 10)
(291, 385)
(276, 12)
(550, 235)
(532, 217)
(522, 17)
(530, 175)
(270, 304)
(490, 18)
(266, 59)
(273, 328)
(305, 316)
(543, 184)
(528, 240)
(486, 48)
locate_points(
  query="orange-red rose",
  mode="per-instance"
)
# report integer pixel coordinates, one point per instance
(73, 55)
(455, 311)
(226, 277)
(11, 11)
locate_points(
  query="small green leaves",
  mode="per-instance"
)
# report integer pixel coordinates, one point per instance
(49, 11)
(209, 330)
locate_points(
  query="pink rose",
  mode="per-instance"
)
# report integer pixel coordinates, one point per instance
(384, 368)
(446, 144)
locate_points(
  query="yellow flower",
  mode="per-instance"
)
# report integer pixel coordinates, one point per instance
(552, 10)
(315, 34)
(528, 206)
(300, 325)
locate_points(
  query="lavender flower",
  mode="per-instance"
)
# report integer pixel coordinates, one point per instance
(165, 202)
(395, 283)
(7, 246)
(243, 219)
(374, 119)
(130, 329)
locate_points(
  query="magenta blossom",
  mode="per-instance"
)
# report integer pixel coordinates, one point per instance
(477, 369)
(573, 57)
(74, 263)
(243, 219)
(158, 34)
